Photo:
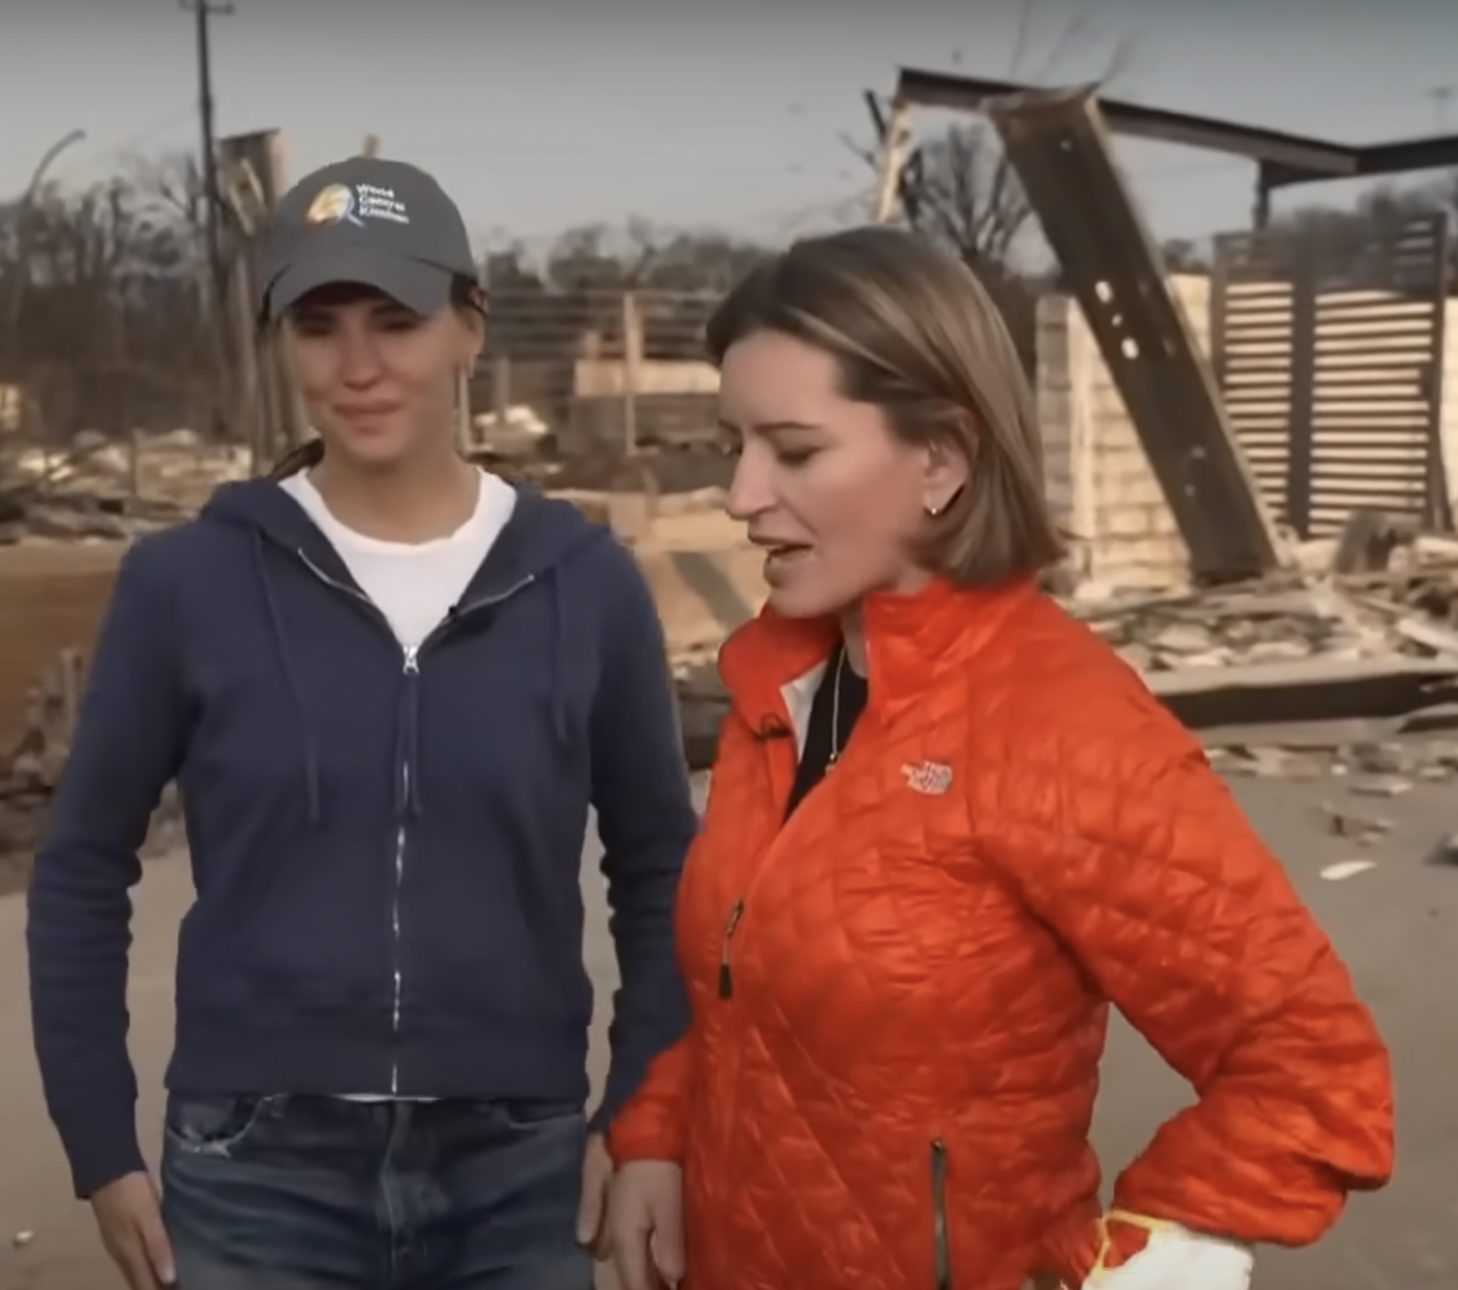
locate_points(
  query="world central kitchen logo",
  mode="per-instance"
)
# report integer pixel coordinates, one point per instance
(341, 204)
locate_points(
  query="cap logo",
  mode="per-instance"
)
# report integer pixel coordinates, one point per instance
(333, 205)
(341, 204)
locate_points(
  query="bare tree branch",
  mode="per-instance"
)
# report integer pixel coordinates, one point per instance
(110, 331)
(1023, 38)
(174, 182)
(957, 186)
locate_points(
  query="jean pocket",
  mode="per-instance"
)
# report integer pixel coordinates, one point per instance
(529, 1116)
(214, 1124)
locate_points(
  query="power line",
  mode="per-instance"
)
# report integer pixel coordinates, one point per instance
(204, 11)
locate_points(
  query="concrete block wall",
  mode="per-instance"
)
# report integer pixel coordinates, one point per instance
(1061, 391)
(1099, 480)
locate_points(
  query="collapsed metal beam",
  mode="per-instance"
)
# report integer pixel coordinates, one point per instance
(1059, 146)
(1269, 147)
(1282, 158)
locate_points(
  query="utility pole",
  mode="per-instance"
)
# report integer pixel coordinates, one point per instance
(204, 11)
(1442, 96)
(215, 280)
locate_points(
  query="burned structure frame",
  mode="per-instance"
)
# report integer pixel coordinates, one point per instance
(1198, 446)
(1281, 159)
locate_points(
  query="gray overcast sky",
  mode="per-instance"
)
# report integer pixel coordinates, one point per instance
(542, 114)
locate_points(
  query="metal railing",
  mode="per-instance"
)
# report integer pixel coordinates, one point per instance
(595, 369)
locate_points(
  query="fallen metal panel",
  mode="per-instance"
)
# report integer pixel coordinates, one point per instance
(1340, 732)
(1059, 147)
(1433, 720)
(701, 713)
(1309, 690)
(707, 576)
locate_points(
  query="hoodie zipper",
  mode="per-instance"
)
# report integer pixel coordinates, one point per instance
(941, 1238)
(411, 671)
(397, 965)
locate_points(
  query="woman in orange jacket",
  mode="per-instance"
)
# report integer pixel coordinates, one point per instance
(947, 828)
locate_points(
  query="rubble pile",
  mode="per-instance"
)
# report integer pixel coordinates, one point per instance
(1298, 676)
(31, 767)
(30, 770)
(1264, 623)
(1343, 668)
(1383, 770)
(22, 824)
(102, 490)
(1305, 676)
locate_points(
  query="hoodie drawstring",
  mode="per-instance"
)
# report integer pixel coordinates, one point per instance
(561, 724)
(296, 693)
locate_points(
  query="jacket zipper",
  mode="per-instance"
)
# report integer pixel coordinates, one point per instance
(411, 672)
(942, 1242)
(726, 973)
(736, 915)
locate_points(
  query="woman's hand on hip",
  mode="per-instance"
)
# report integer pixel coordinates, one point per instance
(645, 1220)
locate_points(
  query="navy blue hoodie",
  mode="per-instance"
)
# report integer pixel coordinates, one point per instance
(386, 847)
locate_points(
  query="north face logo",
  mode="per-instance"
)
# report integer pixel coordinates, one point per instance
(927, 777)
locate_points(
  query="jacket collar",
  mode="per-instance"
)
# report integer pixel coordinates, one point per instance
(905, 637)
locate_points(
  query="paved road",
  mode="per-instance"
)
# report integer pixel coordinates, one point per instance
(1395, 924)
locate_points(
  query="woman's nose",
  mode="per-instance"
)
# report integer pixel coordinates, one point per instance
(359, 359)
(751, 491)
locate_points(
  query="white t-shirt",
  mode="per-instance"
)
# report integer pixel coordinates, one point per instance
(414, 585)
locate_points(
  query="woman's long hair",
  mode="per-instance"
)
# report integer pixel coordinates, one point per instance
(304, 456)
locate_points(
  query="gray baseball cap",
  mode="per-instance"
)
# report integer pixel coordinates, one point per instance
(377, 223)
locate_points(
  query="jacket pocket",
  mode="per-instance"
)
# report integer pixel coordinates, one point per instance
(941, 1237)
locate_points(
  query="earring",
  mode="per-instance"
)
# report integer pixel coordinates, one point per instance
(933, 511)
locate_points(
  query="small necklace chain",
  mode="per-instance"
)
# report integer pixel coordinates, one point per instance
(835, 748)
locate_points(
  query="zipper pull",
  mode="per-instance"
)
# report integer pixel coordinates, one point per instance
(412, 660)
(940, 1232)
(726, 976)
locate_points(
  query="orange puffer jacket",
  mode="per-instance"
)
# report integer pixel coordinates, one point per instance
(900, 996)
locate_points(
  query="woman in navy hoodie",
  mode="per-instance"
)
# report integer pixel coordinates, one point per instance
(390, 688)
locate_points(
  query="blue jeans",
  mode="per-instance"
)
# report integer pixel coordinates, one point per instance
(303, 1193)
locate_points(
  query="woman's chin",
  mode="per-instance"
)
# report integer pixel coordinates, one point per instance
(800, 599)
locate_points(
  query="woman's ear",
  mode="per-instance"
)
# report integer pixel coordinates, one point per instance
(946, 473)
(473, 339)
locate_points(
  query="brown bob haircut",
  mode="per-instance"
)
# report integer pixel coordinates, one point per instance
(916, 334)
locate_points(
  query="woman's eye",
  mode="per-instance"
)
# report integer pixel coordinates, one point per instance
(794, 456)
